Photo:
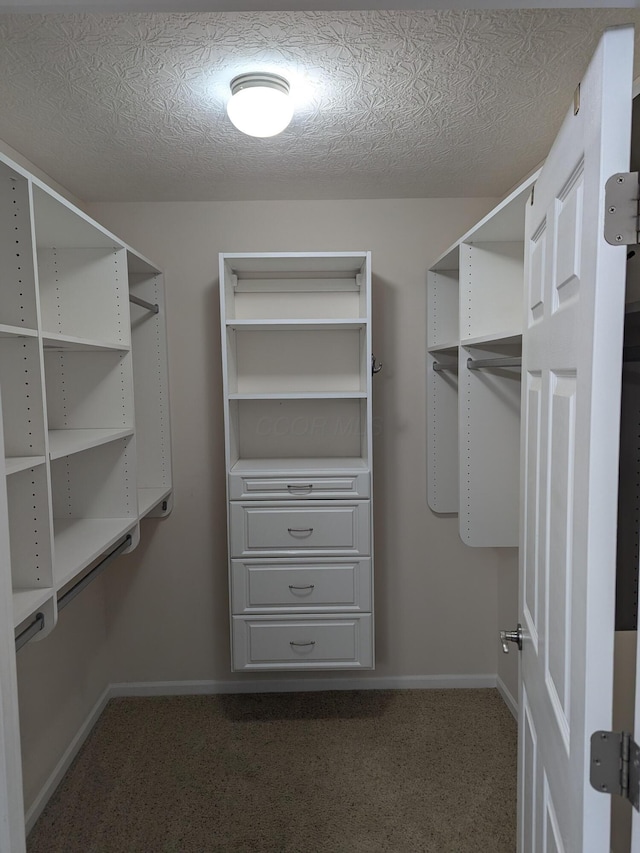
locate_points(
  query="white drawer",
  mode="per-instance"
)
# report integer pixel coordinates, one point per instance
(300, 586)
(248, 487)
(313, 642)
(291, 529)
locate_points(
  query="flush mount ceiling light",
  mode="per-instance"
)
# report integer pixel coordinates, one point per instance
(260, 104)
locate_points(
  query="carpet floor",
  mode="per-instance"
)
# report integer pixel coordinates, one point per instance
(409, 771)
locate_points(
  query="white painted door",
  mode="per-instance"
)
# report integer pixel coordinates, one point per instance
(572, 351)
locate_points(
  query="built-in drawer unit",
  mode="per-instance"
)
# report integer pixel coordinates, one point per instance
(247, 487)
(264, 586)
(292, 528)
(297, 381)
(310, 642)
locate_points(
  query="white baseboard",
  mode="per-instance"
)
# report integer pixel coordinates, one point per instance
(194, 688)
(301, 685)
(37, 807)
(509, 700)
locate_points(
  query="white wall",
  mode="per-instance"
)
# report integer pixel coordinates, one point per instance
(436, 600)
(60, 680)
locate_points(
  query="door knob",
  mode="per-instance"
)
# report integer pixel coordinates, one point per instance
(507, 637)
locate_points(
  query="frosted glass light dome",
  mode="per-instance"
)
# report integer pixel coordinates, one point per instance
(260, 104)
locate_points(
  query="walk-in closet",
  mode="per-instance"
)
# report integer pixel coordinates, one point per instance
(319, 519)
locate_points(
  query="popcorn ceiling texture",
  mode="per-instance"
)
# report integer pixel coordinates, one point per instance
(131, 107)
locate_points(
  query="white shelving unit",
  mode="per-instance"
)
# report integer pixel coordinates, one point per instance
(296, 338)
(475, 299)
(83, 378)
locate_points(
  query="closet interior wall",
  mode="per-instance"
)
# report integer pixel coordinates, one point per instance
(421, 571)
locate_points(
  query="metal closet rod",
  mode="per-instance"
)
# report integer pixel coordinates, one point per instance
(439, 366)
(479, 363)
(84, 582)
(38, 622)
(150, 306)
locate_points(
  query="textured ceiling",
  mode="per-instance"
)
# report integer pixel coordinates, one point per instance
(389, 103)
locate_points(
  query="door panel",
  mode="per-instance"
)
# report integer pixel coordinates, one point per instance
(530, 533)
(529, 775)
(572, 349)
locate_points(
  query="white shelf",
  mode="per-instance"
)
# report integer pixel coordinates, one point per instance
(52, 341)
(27, 601)
(13, 464)
(148, 499)
(63, 442)
(447, 347)
(267, 264)
(509, 338)
(296, 324)
(319, 395)
(302, 466)
(80, 541)
(16, 332)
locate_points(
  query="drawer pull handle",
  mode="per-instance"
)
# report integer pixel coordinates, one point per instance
(292, 487)
(307, 530)
(308, 643)
(309, 586)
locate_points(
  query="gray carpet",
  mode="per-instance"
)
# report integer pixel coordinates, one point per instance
(416, 771)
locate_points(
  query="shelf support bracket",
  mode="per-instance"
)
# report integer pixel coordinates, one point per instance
(622, 211)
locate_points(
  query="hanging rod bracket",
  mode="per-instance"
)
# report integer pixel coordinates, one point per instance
(621, 210)
(30, 631)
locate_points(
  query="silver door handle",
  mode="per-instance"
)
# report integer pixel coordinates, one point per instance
(307, 530)
(507, 637)
(308, 643)
(309, 586)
